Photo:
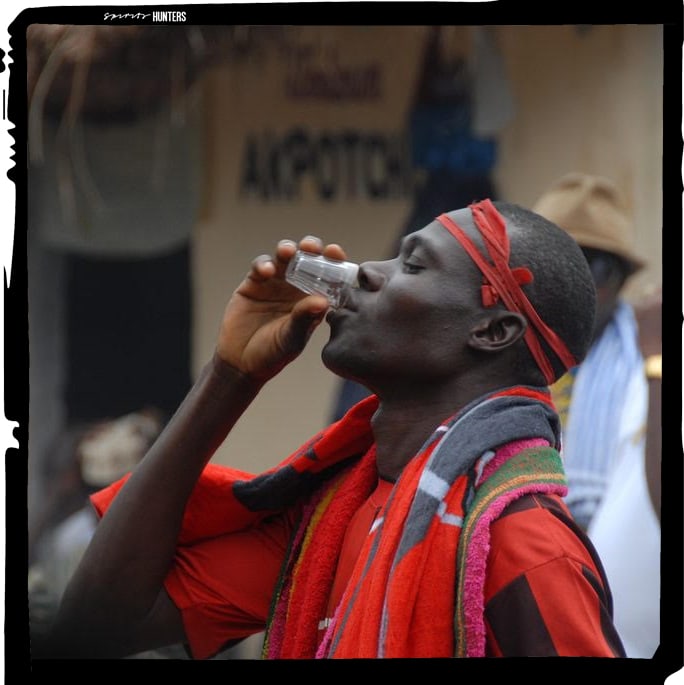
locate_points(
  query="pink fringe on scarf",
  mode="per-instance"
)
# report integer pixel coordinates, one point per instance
(478, 550)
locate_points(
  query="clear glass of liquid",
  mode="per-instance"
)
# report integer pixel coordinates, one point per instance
(318, 275)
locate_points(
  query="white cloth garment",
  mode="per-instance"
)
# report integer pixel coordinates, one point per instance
(626, 534)
(603, 448)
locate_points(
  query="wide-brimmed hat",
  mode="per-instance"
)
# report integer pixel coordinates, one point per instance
(592, 210)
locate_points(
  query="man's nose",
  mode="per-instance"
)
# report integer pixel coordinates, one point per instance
(371, 275)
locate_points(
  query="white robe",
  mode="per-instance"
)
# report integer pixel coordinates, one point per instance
(626, 533)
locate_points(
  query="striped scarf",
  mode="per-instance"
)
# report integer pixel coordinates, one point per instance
(417, 589)
(597, 399)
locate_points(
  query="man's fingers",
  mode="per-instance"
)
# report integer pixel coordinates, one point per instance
(311, 243)
(284, 252)
(335, 251)
(266, 266)
(306, 316)
(261, 269)
(314, 244)
(311, 306)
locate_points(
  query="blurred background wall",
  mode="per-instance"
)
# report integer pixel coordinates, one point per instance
(149, 198)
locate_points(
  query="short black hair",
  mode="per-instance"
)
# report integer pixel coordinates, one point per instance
(562, 292)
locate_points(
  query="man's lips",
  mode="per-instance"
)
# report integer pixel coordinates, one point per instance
(334, 315)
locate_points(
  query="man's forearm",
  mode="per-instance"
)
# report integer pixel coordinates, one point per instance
(123, 569)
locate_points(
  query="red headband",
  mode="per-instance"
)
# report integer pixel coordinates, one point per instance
(500, 281)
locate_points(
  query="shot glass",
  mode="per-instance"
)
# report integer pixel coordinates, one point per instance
(318, 275)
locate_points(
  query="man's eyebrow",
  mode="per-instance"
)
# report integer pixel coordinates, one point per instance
(407, 242)
(414, 240)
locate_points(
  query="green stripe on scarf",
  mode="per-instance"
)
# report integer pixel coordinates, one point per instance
(538, 469)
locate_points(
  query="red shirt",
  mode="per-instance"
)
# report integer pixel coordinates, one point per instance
(224, 586)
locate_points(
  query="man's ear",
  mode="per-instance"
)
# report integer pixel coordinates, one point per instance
(497, 330)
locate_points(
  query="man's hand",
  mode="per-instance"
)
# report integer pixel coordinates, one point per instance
(267, 321)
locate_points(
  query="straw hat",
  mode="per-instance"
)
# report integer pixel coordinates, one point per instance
(592, 210)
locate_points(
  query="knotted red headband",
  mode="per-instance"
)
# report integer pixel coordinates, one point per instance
(502, 282)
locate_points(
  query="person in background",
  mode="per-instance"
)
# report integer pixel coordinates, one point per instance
(428, 522)
(610, 408)
(85, 458)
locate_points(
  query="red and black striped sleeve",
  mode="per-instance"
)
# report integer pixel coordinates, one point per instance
(546, 593)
